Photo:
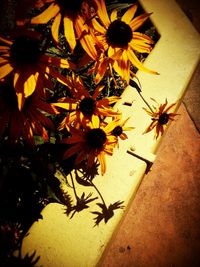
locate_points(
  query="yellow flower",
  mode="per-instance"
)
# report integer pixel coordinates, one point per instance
(118, 39)
(29, 68)
(90, 143)
(85, 108)
(31, 120)
(74, 15)
(117, 128)
(160, 117)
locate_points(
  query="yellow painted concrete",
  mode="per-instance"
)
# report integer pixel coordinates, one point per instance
(64, 242)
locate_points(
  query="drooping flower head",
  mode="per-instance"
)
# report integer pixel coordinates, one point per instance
(118, 36)
(74, 15)
(31, 120)
(22, 58)
(160, 116)
(85, 108)
(90, 143)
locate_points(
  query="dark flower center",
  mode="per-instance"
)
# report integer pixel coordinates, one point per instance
(117, 131)
(70, 5)
(25, 50)
(87, 106)
(119, 33)
(96, 138)
(163, 118)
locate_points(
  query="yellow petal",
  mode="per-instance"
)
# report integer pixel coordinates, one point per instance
(30, 84)
(56, 62)
(69, 32)
(95, 121)
(135, 61)
(20, 99)
(98, 27)
(129, 14)
(5, 41)
(5, 70)
(150, 127)
(46, 15)
(113, 15)
(102, 161)
(67, 106)
(139, 46)
(138, 21)
(55, 27)
(86, 38)
(4, 48)
(101, 69)
(102, 12)
(19, 88)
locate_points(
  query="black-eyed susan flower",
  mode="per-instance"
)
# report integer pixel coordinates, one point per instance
(118, 39)
(22, 58)
(117, 128)
(31, 120)
(160, 116)
(90, 143)
(74, 14)
(85, 108)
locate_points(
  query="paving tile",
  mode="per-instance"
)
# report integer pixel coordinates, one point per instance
(162, 226)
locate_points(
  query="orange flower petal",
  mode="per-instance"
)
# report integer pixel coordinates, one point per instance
(72, 150)
(101, 68)
(138, 21)
(55, 27)
(135, 61)
(113, 15)
(30, 84)
(4, 48)
(97, 91)
(67, 106)
(46, 15)
(57, 62)
(69, 32)
(150, 127)
(5, 41)
(129, 14)
(75, 139)
(5, 70)
(102, 161)
(95, 121)
(86, 38)
(91, 159)
(98, 27)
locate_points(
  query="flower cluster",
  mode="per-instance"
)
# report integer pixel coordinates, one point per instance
(38, 85)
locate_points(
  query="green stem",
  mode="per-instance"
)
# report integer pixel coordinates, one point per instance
(146, 102)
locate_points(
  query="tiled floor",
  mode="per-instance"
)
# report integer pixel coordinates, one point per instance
(162, 227)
